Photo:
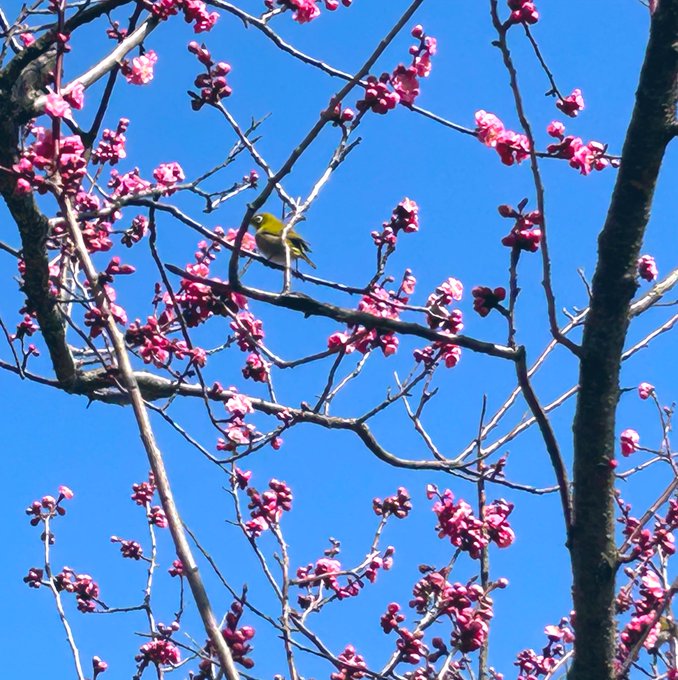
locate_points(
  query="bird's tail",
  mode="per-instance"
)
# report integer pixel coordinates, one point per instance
(307, 259)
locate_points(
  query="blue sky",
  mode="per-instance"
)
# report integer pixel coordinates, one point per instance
(51, 438)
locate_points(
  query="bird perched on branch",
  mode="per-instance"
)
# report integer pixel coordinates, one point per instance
(268, 235)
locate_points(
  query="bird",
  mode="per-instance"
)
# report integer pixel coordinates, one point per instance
(268, 236)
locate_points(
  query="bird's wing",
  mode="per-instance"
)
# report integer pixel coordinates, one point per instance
(299, 243)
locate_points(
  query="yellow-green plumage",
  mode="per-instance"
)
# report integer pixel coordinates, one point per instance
(268, 235)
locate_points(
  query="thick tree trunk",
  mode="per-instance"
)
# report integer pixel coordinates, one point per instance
(592, 542)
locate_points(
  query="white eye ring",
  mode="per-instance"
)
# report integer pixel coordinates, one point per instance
(258, 219)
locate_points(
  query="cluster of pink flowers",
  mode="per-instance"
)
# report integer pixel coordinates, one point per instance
(338, 115)
(238, 639)
(525, 233)
(160, 651)
(248, 241)
(267, 508)
(48, 506)
(512, 147)
(531, 665)
(157, 517)
(167, 175)
(383, 94)
(96, 232)
(405, 218)
(398, 505)
(572, 104)
(351, 665)
(444, 320)
(651, 594)
(34, 577)
(646, 542)
(422, 53)
(129, 549)
(139, 71)
(256, 368)
(95, 319)
(143, 492)
(306, 10)
(485, 299)
(438, 316)
(39, 157)
(156, 348)
(327, 571)
(128, 184)
(405, 79)
(111, 148)
(136, 232)
(582, 157)
(83, 586)
(177, 569)
(195, 12)
(468, 606)
(467, 532)
(197, 302)
(378, 96)
(212, 83)
(237, 431)
(522, 11)
(647, 268)
(381, 303)
(247, 330)
(26, 327)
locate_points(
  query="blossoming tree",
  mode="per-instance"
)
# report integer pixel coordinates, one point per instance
(193, 332)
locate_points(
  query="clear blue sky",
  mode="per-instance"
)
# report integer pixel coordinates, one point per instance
(51, 438)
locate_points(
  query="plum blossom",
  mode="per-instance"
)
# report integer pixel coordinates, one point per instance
(645, 390)
(647, 268)
(629, 440)
(140, 70)
(572, 104)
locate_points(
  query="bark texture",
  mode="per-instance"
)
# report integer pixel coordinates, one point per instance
(592, 542)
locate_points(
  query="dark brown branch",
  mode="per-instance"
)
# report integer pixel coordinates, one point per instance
(549, 438)
(309, 306)
(592, 541)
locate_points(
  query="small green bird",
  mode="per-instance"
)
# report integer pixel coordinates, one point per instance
(268, 235)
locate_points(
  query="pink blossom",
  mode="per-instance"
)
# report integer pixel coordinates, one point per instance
(56, 106)
(239, 405)
(160, 652)
(647, 268)
(645, 390)
(305, 10)
(572, 104)
(75, 95)
(355, 662)
(128, 184)
(248, 241)
(488, 128)
(140, 71)
(98, 666)
(378, 97)
(556, 129)
(523, 11)
(66, 492)
(405, 83)
(485, 299)
(167, 175)
(629, 442)
(27, 39)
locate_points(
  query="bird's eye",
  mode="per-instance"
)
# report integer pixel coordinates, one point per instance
(258, 219)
